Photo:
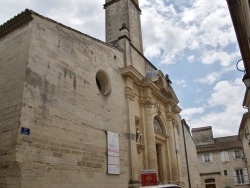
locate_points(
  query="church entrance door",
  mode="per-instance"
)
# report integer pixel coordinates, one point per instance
(159, 162)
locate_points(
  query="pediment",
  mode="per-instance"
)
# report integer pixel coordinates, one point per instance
(157, 78)
(169, 93)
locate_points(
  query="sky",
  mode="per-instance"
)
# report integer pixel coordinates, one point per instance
(193, 41)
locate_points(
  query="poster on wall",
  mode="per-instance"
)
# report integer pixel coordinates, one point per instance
(113, 153)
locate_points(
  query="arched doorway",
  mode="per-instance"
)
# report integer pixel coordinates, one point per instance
(160, 140)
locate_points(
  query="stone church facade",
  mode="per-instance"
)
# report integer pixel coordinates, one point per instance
(79, 112)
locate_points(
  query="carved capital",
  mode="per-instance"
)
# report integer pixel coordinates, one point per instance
(146, 101)
(158, 108)
(169, 116)
(129, 93)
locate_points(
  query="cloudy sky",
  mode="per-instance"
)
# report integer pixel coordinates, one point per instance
(191, 40)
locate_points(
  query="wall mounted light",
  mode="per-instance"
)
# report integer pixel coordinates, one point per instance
(246, 80)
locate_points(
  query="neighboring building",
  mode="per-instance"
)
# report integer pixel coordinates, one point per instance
(189, 171)
(221, 160)
(79, 112)
(240, 14)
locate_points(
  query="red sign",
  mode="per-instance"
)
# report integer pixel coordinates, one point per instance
(148, 178)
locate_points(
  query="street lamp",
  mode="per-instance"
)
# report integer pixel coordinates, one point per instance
(246, 80)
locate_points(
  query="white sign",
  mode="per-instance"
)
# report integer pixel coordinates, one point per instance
(113, 153)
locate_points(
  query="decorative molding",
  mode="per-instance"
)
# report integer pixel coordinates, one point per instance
(109, 3)
(130, 71)
(169, 116)
(158, 108)
(175, 123)
(146, 102)
(129, 93)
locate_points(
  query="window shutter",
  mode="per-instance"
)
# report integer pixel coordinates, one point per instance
(235, 177)
(245, 174)
(226, 156)
(242, 154)
(223, 159)
(233, 155)
(211, 157)
(203, 158)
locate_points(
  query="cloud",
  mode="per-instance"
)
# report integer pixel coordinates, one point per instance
(225, 94)
(209, 78)
(191, 58)
(189, 112)
(183, 83)
(83, 16)
(192, 28)
(222, 57)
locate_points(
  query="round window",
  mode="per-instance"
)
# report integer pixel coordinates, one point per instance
(103, 82)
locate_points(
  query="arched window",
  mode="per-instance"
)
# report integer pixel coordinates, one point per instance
(157, 126)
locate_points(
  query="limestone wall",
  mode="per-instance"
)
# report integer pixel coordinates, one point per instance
(14, 50)
(216, 169)
(192, 158)
(67, 114)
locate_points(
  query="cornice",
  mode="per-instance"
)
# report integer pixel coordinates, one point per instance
(139, 79)
(115, 1)
(110, 3)
(130, 71)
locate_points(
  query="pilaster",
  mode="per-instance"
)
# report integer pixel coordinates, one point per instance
(130, 97)
(173, 164)
(124, 43)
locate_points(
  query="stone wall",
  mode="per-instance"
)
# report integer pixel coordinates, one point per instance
(215, 169)
(14, 52)
(66, 112)
(190, 165)
(203, 135)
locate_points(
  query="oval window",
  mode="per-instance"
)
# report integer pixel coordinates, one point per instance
(103, 82)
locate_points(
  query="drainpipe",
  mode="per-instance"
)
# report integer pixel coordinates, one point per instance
(183, 122)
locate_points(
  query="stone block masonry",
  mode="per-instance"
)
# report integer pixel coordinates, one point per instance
(61, 105)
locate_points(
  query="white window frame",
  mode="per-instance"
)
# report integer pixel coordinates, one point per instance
(238, 154)
(240, 176)
(207, 158)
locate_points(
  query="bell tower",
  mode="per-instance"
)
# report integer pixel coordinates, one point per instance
(120, 12)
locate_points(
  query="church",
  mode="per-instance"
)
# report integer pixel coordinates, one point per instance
(79, 112)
